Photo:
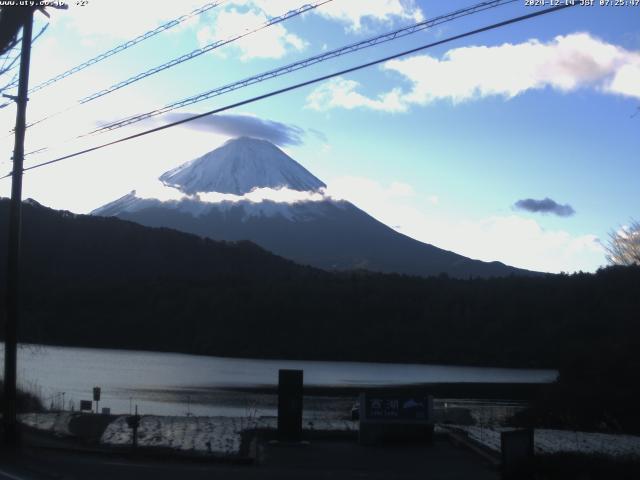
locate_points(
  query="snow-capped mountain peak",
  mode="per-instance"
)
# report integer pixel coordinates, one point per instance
(249, 189)
(240, 166)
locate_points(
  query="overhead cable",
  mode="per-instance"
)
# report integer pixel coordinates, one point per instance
(127, 44)
(307, 62)
(183, 58)
(304, 84)
(354, 47)
(200, 51)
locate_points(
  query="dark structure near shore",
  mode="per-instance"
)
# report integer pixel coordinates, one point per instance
(290, 405)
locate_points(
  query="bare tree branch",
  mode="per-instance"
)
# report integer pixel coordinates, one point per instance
(11, 20)
(624, 245)
(6, 68)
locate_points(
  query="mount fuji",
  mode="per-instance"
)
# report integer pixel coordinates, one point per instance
(238, 167)
(235, 193)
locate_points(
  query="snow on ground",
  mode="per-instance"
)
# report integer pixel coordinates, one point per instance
(57, 423)
(216, 435)
(493, 414)
(562, 441)
(222, 435)
(200, 434)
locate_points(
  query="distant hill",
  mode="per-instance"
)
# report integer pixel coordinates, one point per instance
(105, 282)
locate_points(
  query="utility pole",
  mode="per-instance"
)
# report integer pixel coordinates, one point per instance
(9, 420)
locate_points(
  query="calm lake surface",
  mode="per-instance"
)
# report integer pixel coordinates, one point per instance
(179, 384)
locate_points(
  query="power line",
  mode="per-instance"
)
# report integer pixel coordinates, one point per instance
(11, 83)
(183, 58)
(205, 49)
(14, 61)
(8, 85)
(386, 37)
(13, 64)
(127, 44)
(305, 83)
(3, 70)
(354, 47)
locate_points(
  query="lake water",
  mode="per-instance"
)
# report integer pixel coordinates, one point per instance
(179, 384)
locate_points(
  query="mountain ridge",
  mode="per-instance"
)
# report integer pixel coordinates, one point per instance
(323, 232)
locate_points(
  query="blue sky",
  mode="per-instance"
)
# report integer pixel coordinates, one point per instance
(440, 145)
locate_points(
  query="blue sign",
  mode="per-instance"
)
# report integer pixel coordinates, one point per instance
(391, 407)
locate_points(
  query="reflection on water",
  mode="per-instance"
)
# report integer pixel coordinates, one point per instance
(179, 384)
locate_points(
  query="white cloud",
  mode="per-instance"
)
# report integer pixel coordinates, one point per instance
(272, 42)
(257, 195)
(71, 120)
(341, 189)
(522, 242)
(83, 183)
(339, 92)
(352, 13)
(626, 80)
(157, 190)
(512, 239)
(368, 190)
(565, 63)
(122, 19)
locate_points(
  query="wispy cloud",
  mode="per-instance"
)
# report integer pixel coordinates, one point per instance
(546, 205)
(339, 92)
(236, 125)
(278, 40)
(273, 42)
(354, 14)
(105, 20)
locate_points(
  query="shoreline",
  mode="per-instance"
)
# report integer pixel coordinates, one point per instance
(456, 390)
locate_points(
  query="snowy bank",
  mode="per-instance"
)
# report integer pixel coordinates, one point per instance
(223, 435)
(57, 423)
(561, 441)
(200, 435)
(208, 435)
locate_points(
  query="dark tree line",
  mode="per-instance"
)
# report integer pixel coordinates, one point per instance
(105, 282)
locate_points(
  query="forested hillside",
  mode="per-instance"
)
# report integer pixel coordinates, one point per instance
(105, 282)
